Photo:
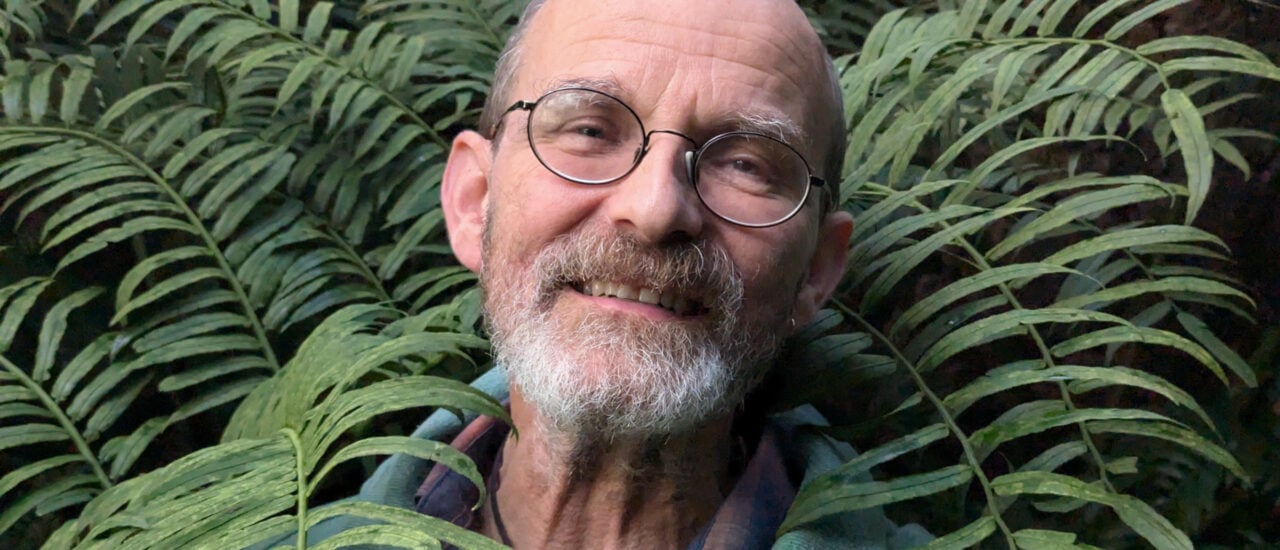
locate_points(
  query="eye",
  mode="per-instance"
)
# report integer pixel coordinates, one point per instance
(747, 166)
(589, 129)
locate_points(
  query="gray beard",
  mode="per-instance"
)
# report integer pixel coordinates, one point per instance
(652, 379)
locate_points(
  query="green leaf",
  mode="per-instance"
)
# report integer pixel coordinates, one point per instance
(1259, 69)
(901, 262)
(27, 434)
(1164, 285)
(1123, 26)
(73, 90)
(34, 469)
(989, 438)
(1140, 517)
(135, 97)
(54, 327)
(1054, 457)
(1197, 152)
(1137, 334)
(38, 93)
(30, 501)
(433, 451)
(399, 517)
(1097, 14)
(1082, 206)
(164, 288)
(813, 506)
(963, 288)
(965, 537)
(1225, 353)
(867, 248)
(1208, 43)
(17, 300)
(1176, 434)
(1132, 239)
(1003, 325)
(299, 74)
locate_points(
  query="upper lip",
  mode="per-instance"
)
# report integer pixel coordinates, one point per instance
(671, 299)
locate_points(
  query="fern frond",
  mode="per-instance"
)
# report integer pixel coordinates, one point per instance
(255, 487)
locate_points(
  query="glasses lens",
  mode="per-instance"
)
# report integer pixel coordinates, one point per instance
(585, 136)
(751, 179)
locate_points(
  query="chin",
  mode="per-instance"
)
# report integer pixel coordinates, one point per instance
(617, 377)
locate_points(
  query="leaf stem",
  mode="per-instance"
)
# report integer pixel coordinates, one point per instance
(952, 426)
(488, 28)
(63, 420)
(360, 264)
(1164, 78)
(302, 486)
(980, 261)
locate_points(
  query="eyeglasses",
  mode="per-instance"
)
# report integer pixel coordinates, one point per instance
(593, 138)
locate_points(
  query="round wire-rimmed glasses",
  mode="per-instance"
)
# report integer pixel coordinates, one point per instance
(590, 137)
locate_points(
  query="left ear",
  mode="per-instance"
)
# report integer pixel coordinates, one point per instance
(826, 267)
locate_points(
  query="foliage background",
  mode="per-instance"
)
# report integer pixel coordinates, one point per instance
(191, 190)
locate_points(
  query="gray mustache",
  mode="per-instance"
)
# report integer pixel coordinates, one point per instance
(697, 269)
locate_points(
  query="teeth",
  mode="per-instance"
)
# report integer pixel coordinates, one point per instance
(648, 296)
(668, 299)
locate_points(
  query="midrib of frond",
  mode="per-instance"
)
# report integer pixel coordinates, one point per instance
(981, 262)
(197, 224)
(299, 464)
(484, 24)
(338, 64)
(358, 261)
(1100, 43)
(963, 438)
(77, 438)
(346, 248)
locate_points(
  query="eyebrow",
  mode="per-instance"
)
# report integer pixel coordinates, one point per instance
(769, 123)
(608, 85)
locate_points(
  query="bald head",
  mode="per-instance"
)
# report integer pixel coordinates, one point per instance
(688, 88)
(772, 36)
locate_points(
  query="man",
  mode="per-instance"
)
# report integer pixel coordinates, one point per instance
(648, 203)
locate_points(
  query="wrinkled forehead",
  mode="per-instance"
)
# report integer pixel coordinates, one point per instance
(694, 65)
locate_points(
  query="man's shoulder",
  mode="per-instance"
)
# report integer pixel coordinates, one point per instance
(397, 479)
(819, 454)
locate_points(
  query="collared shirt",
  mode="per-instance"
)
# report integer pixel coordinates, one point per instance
(749, 517)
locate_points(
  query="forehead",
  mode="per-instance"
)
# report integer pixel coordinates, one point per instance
(681, 64)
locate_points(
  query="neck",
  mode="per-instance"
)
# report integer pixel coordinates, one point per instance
(566, 490)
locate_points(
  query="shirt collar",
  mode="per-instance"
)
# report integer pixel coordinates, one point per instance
(748, 518)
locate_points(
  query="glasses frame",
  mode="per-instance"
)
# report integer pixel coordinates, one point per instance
(691, 157)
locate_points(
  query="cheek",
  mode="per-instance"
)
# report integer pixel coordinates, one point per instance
(773, 275)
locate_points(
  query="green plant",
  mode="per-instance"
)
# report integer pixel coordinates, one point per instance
(190, 189)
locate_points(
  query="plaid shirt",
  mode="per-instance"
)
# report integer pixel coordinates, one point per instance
(748, 518)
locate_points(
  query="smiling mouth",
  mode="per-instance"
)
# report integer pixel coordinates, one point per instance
(672, 300)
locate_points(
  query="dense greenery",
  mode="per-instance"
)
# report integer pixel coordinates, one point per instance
(221, 257)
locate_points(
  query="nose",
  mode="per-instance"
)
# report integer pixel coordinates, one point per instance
(656, 202)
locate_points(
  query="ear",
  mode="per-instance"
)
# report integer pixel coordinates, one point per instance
(827, 266)
(464, 197)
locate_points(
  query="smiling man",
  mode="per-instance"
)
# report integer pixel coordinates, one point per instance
(648, 203)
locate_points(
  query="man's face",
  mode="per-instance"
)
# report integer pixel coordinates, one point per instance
(571, 271)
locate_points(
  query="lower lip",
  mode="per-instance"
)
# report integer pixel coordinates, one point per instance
(656, 313)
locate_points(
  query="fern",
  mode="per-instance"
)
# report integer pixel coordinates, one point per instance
(969, 78)
(202, 201)
(254, 487)
(233, 201)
